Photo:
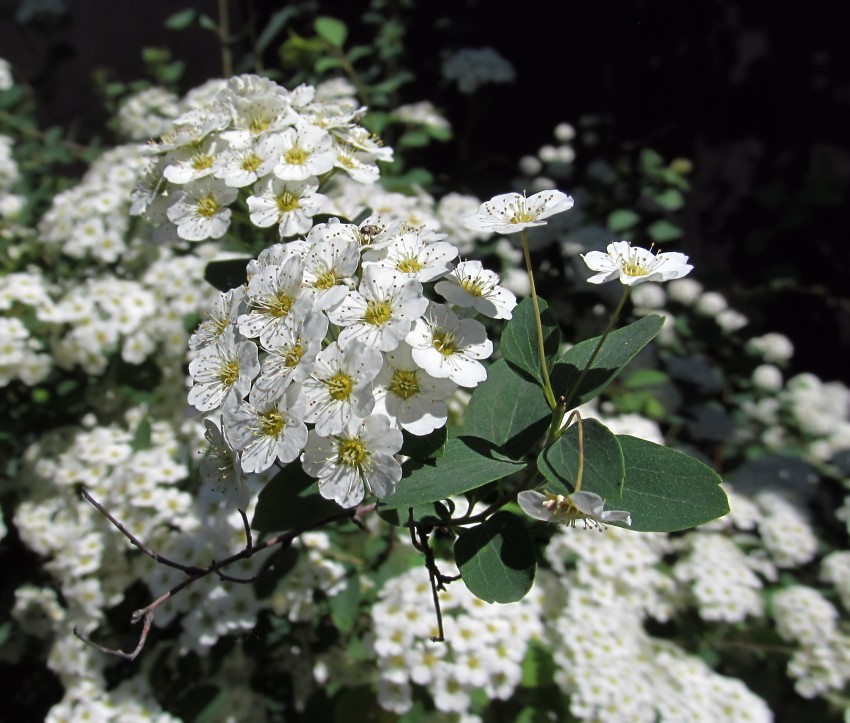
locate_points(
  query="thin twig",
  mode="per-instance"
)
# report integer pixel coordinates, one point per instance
(194, 573)
(188, 569)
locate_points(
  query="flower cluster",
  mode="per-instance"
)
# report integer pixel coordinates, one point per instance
(251, 137)
(335, 331)
(484, 648)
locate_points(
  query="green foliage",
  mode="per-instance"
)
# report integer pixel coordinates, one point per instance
(466, 464)
(604, 467)
(619, 349)
(519, 339)
(507, 410)
(291, 501)
(497, 559)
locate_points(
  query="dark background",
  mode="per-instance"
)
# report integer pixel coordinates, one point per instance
(756, 94)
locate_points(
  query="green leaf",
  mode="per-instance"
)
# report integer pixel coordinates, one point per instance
(325, 63)
(332, 30)
(618, 350)
(622, 220)
(667, 490)
(439, 134)
(466, 464)
(519, 338)
(508, 410)
(671, 199)
(538, 668)
(424, 447)
(650, 160)
(207, 23)
(662, 231)
(226, 275)
(603, 461)
(181, 20)
(345, 605)
(291, 501)
(142, 436)
(414, 139)
(497, 560)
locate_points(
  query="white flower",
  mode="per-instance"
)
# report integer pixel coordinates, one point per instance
(276, 295)
(267, 428)
(634, 265)
(307, 150)
(292, 349)
(411, 254)
(409, 396)
(567, 509)
(239, 167)
(330, 262)
(446, 346)
(289, 204)
(200, 209)
(192, 162)
(512, 212)
(470, 284)
(340, 386)
(358, 456)
(222, 372)
(382, 311)
(226, 308)
(221, 467)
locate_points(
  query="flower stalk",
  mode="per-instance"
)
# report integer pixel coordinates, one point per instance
(547, 385)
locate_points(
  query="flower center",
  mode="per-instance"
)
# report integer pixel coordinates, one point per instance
(564, 510)
(201, 161)
(296, 156)
(352, 452)
(281, 305)
(345, 160)
(472, 286)
(444, 342)
(287, 202)
(293, 356)
(633, 265)
(409, 265)
(258, 124)
(521, 213)
(377, 312)
(229, 373)
(404, 384)
(340, 386)
(325, 280)
(251, 162)
(271, 424)
(208, 206)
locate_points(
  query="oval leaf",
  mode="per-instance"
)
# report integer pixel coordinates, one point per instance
(466, 463)
(291, 501)
(496, 559)
(603, 461)
(622, 220)
(508, 410)
(618, 350)
(332, 30)
(519, 338)
(424, 447)
(662, 231)
(226, 275)
(667, 490)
